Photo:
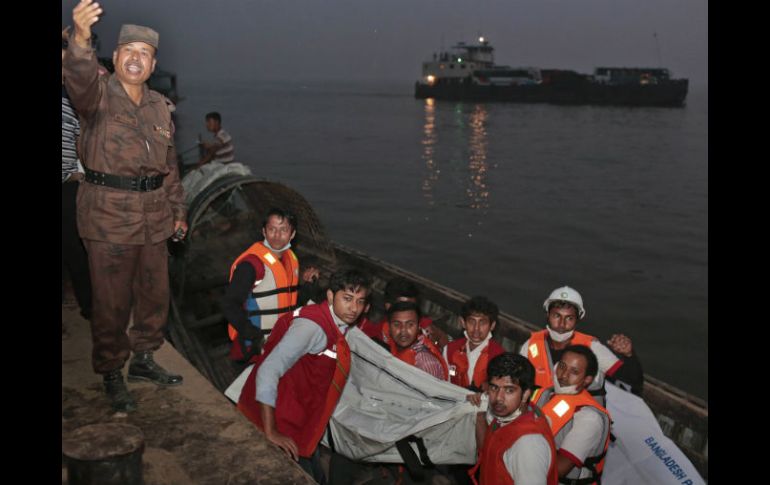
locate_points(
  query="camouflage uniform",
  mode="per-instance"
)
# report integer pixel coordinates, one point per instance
(124, 231)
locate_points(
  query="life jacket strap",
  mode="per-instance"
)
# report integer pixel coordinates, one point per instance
(589, 463)
(286, 289)
(414, 465)
(274, 311)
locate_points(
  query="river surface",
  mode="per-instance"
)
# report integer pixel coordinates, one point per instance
(505, 200)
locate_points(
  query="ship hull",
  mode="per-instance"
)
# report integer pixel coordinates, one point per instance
(669, 94)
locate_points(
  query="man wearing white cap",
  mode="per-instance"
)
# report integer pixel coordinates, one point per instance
(564, 309)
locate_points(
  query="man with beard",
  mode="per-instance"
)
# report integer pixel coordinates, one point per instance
(580, 426)
(564, 309)
(130, 203)
(409, 344)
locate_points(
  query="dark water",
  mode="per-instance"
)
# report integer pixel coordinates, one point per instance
(506, 200)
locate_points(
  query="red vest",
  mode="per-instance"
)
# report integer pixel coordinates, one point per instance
(498, 440)
(370, 328)
(458, 362)
(409, 355)
(308, 392)
(537, 354)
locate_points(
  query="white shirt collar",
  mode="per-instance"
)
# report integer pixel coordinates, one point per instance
(504, 420)
(341, 324)
(478, 349)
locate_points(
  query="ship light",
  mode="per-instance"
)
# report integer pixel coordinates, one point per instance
(431, 79)
(481, 39)
(459, 59)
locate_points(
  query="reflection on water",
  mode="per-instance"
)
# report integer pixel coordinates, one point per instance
(428, 149)
(477, 191)
(472, 125)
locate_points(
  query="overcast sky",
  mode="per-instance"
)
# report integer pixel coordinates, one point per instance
(388, 39)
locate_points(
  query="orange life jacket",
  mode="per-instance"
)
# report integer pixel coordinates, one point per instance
(309, 390)
(561, 408)
(498, 440)
(409, 355)
(275, 294)
(457, 358)
(538, 355)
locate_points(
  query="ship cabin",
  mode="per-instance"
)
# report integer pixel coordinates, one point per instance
(458, 63)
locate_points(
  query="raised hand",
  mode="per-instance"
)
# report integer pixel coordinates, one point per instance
(310, 274)
(620, 344)
(84, 15)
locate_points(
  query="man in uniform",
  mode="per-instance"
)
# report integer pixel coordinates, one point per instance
(130, 203)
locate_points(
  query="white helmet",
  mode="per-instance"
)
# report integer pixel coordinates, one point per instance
(565, 293)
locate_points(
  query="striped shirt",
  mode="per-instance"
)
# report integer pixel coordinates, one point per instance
(70, 129)
(226, 154)
(426, 361)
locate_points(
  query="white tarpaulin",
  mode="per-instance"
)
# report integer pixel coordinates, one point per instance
(642, 454)
(386, 400)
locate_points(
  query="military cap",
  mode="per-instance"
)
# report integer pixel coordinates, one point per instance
(137, 33)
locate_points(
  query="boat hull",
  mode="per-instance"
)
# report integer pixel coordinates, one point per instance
(225, 218)
(668, 94)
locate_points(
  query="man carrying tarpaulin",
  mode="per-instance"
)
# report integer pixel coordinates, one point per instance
(409, 344)
(295, 384)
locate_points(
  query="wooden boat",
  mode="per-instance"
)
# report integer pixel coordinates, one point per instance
(226, 217)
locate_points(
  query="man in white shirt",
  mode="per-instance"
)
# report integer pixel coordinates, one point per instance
(580, 426)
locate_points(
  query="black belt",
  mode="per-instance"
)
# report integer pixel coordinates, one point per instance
(144, 183)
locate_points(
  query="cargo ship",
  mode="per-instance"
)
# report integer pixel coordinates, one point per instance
(467, 72)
